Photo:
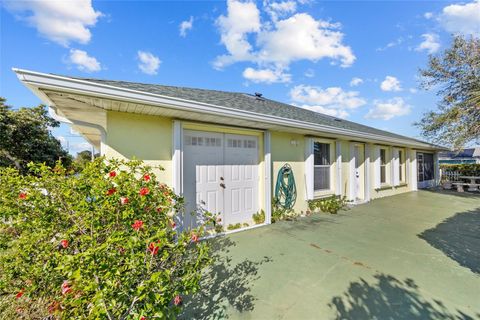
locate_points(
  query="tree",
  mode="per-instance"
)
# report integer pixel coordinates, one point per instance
(101, 244)
(456, 76)
(83, 158)
(25, 137)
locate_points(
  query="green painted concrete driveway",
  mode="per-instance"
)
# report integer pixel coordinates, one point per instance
(411, 256)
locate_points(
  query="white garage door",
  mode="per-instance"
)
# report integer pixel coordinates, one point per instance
(221, 175)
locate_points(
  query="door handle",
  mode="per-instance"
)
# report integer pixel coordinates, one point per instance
(221, 178)
(222, 185)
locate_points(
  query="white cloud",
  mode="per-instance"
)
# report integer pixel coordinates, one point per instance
(186, 26)
(63, 21)
(392, 44)
(309, 73)
(461, 18)
(339, 113)
(390, 84)
(430, 43)
(242, 18)
(266, 75)
(413, 90)
(356, 82)
(333, 101)
(428, 15)
(149, 63)
(386, 110)
(280, 9)
(83, 61)
(63, 140)
(278, 42)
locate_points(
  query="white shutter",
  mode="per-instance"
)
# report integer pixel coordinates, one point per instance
(396, 167)
(338, 177)
(376, 165)
(309, 168)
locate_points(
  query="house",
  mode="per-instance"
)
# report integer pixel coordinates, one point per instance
(223, 150)
(464, 156)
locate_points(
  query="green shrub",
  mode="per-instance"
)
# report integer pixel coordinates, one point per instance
(331, 204)
(234, 226)
(280, 213)
(464, 169)
(99, 244)
(259, 217)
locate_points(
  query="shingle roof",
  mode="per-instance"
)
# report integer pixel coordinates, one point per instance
(247, 102)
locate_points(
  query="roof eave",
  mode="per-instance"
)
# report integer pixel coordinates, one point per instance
(37, 80)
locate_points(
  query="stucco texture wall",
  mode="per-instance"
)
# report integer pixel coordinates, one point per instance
(143, 137)
(284, 151)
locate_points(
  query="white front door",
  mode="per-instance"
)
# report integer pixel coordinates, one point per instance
(202, 170)
(220, 174)
(241, 178)
(356, 174)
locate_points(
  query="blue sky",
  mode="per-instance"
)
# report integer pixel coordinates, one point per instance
(353, 59)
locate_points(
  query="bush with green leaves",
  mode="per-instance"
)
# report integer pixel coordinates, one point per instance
(331, 204)
(467, 169)
(259, 217)
(101, 244)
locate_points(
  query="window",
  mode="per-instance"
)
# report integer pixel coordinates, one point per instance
(321, 171)
(383, 165)
(401, 166)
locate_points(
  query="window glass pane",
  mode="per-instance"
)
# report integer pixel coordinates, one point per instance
(382, 156)
(321, 179)
(383, 174)
(321, 153)
(428, 166)
(400, 166)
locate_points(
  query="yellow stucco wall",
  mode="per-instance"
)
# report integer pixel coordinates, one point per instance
(284, 151)
(149, 138)
(142, 137)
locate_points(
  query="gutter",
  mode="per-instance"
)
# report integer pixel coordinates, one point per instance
(36, 80)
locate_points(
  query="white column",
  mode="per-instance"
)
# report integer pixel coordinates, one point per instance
(267, 158)
(436, 168)
(309, 170)
(376, 167)
(177, 155)
(367, 171)
(396, 167)
(351, 173)
(413, 170)
(338, 178)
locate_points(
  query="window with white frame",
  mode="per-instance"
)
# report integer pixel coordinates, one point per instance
(383, 165)
(322, 163)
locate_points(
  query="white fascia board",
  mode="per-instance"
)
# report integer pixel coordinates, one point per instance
(54, 82)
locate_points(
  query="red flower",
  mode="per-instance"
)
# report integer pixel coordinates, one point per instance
(137, 225)
(22, 195)
(144, 191)
(66, 288)
(123, 200)
(194, 237)
(20, 294)
(146, 178)
(159, 210)
(111, 191)
(177, 300)
(112, 174)
(143, 318)
(153, 248)
(64, 243)
(173, 224)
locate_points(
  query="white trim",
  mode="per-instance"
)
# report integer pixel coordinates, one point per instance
(413, 171)
(309, 171)
(377, 182)
(351, 173)
(268, 176)
(395, 167)
(36, 80)
(177, 157)
(436, 168)
(338, 153)
(366, 190)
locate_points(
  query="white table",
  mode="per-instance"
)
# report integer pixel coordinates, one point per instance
(472, 186)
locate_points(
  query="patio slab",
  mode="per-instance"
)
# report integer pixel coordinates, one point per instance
(410, 256)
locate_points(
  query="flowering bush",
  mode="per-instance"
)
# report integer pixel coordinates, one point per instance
(99, 244)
